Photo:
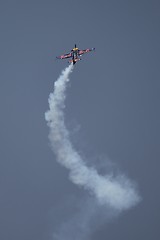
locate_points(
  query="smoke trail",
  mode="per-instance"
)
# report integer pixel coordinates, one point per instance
(115, 192)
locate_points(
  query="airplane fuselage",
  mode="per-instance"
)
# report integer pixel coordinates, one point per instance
(75, 57)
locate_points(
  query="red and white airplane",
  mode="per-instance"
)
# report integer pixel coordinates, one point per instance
(75, 54)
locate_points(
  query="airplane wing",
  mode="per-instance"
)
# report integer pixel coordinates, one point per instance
(68, 55)
(81, 52)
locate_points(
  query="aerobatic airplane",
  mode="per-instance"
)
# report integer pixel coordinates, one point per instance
(75, 54)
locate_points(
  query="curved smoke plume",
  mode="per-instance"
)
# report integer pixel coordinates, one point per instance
(118, 193)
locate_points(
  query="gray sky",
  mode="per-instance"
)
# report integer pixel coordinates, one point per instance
(112, 111)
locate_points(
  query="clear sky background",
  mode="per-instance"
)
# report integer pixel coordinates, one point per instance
(112, 111)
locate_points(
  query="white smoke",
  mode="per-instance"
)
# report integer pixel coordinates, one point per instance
(115, 192)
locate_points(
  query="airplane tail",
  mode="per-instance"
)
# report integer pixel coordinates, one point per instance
(74, 60)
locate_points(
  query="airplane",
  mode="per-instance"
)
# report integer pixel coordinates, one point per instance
(75, 54)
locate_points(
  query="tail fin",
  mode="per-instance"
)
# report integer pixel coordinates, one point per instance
(75, 45)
